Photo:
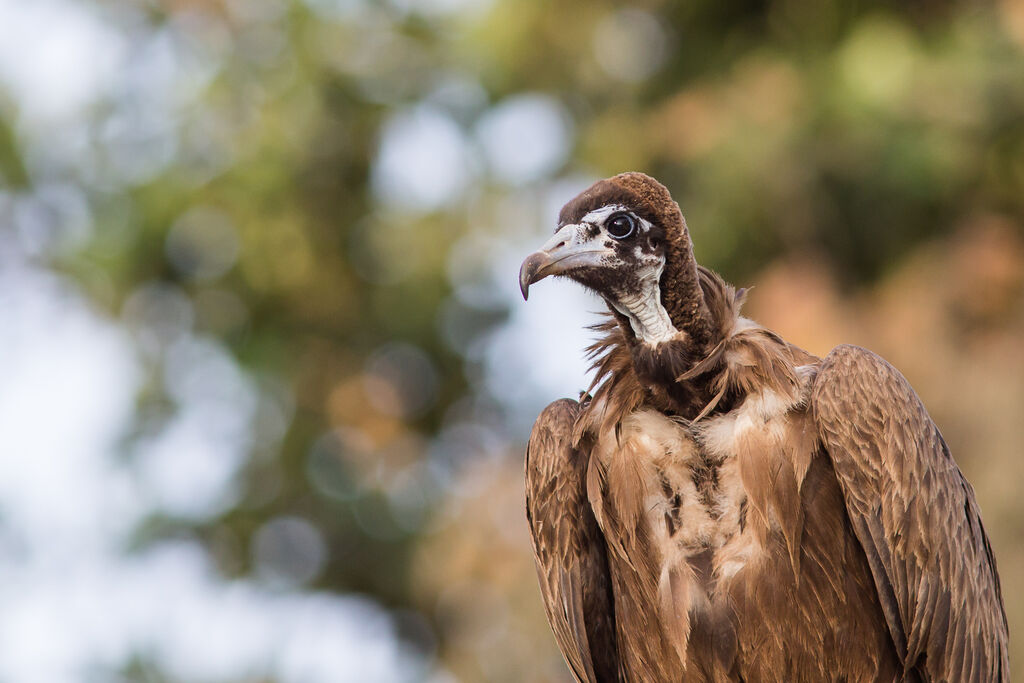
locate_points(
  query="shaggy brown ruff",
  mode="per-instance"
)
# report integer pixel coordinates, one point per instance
(673, 378)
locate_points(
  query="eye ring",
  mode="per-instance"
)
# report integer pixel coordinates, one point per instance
(620, 225)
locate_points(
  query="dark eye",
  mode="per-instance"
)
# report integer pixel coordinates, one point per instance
(620, 226)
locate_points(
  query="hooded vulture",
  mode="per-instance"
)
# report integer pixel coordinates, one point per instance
(724, 506)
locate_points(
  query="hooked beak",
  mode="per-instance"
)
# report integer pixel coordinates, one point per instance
(566, 250)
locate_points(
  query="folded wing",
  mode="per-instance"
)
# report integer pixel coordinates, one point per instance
(917, 519)
(568, 546)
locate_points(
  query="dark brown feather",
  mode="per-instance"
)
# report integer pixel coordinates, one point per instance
(917, 519)
(570, 551)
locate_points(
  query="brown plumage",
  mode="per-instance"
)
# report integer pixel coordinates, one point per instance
(723, 506)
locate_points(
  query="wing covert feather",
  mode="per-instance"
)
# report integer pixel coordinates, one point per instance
(568, 546)
(917, 519)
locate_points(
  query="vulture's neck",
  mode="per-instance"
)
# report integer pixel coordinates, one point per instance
(669, 313)
(685, 297)
(646, 315)
(666, 375)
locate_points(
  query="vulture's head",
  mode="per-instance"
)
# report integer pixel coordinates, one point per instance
(625, 239)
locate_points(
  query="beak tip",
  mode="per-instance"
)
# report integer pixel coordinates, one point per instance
(527, 275)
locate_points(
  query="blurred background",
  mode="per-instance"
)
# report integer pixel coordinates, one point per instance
(265, 376)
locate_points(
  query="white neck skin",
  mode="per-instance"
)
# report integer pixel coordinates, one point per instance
(647, 317)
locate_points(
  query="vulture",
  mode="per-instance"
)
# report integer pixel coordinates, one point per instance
(722, 505)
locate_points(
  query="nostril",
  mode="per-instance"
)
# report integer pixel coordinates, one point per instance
(561, 244)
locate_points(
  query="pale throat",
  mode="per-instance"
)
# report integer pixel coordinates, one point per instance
(642, 307)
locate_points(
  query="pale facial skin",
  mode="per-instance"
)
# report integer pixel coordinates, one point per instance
(619, 255)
